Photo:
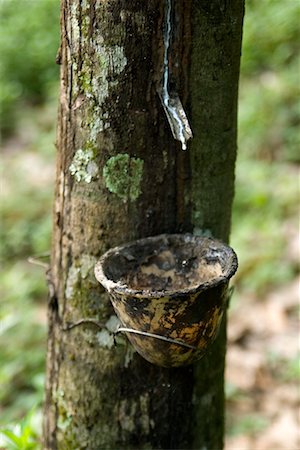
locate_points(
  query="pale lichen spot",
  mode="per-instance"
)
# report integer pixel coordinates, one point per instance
(98, 123)
(96, 84)
(64, 421)
(123, 175)
(137, 18)
(129, 355)
(112, 324)
(202, 232)
(85, 4)
(72, 280)
(144, 416)
(105, 339)
(165, 159)
(127, 415)
(75, 22)
(117, 59)
(112, 61)
(206, 400)
(83, 168)
(65, 417)
(87, 263)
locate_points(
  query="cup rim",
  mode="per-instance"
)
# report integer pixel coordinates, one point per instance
(119, 288)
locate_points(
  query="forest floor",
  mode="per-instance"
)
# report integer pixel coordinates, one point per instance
(262, 373)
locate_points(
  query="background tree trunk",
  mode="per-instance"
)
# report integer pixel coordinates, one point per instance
(121, 176)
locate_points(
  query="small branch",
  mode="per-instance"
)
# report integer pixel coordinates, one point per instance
(84, 321)
(36, 260)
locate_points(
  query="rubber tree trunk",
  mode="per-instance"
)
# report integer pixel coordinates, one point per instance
(121, 175)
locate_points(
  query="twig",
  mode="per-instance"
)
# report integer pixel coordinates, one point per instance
(36, 260)
(84, 321)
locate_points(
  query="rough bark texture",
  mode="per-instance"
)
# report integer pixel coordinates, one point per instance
(215, 59)
(121, 176)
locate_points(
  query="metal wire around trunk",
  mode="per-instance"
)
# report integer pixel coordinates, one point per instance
(155, 336)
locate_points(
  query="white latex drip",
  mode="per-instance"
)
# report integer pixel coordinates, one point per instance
(172, 111)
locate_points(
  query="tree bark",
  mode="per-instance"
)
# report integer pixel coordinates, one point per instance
(121, 176)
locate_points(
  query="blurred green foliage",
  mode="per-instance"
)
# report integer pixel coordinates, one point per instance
(286, 371)
(266, 202)
(266, 194)
(22, 340)
(25, 225)
(269, 115)
(26, 205)
(271, 36)
(29, 39)
(24, 435)
(250, 424)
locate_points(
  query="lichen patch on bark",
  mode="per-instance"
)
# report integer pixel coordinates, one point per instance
(105, 339)
(105, 63)
(83, 168)
(123, 175)
(72, 280)
(87, 263)
(112, 323)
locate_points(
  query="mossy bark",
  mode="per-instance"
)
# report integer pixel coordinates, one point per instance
(121, 176)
